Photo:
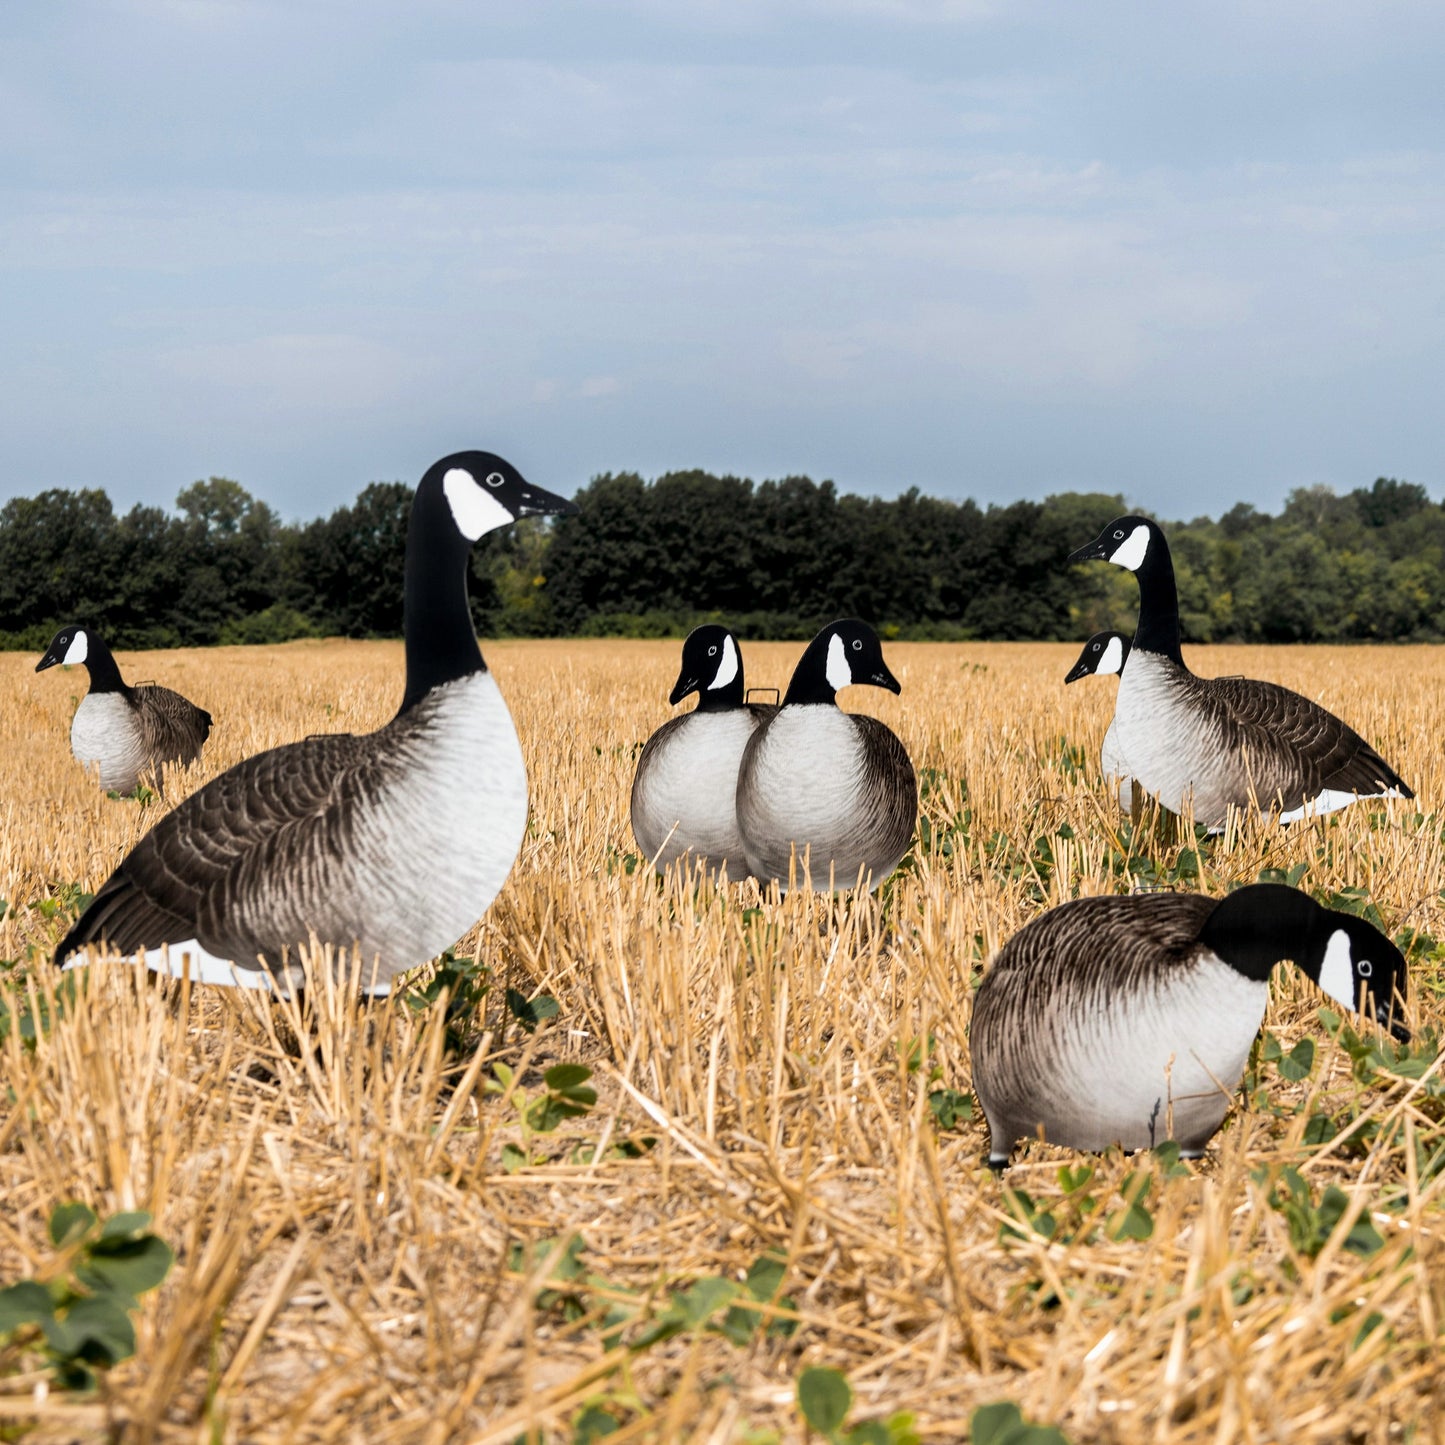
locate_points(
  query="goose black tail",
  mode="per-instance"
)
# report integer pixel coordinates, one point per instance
(123, 918)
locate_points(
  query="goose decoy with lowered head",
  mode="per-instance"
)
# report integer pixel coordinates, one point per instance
(1103, 653)
(129, 733)
(391, 843)
(1129, 1019)
(836, 785)
(1223, 742)
(684, 793)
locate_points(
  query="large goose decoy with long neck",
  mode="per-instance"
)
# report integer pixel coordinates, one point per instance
(1223, 742)
(1129, 1019)
(835, 785)
(684, 793)
(391, 843)
(128, 733)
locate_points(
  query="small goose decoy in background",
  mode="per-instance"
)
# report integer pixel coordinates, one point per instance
(1221, 742)
(837, 784)
(1129, 1019)
(130, 732)
(684, 794)
(1103, 653)
(392, 843)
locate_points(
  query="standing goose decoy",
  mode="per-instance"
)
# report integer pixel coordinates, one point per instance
(392, 843)
(684, 794)
(1221, 742)
(837, 784)
(1103, 653)
(1129, 1019)
(130, 732)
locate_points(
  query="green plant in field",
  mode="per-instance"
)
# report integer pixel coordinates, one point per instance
(82, 1313)
(138, 794)
(51, 1004)
(530, 1012)
(825, 1400)
(1004, 1424)
(566, 1095)
(1311, 1221)
(949, 1107)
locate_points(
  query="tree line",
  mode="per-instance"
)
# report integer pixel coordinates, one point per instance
(775, 559)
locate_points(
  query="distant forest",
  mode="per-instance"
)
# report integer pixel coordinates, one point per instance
(775, 559)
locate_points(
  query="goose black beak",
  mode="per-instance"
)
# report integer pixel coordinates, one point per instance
(49, 660)
(682, 687)
(1398, 1029)
(884, 678)
(1078, 670)
(1095, 551)
(537, 502)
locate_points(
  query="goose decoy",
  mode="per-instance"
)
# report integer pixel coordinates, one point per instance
(1129, 1019)
(1103, 653)
(131, 733)
(684, 793)
(835, 784)
(391, 843)
(1223, 742)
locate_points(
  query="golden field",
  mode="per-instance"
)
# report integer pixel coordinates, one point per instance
(348, 1227)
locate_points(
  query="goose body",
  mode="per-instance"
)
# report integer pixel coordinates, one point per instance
(129, 734)
(1129, 1020)
(390, 843)
(1211, 744)
(684, 793)
(838, 786)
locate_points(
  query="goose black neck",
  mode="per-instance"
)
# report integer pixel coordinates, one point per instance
(101, 665)
(809, 683)
(1158, 628)
(441, 644)
(722, 699)
(1255, 927)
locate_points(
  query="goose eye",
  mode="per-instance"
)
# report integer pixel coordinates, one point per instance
(857, 644)
(712, 651)
(1364, 968)
(494, 479)
(1118, 534)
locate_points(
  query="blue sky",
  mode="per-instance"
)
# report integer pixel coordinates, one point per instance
(1191, 252)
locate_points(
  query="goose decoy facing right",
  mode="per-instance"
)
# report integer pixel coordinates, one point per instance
(684, 793)
(1222, 742)
(837, 785)
(391, 843)
(1129, 1019)
(130, 733)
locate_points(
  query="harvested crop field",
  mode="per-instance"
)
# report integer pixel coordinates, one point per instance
(376, 1215)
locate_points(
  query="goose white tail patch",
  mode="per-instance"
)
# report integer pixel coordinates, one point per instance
(1113, 658)
(1337, 972)
(474, 509)
(78, 650)
(190, 960)
(1330, 801)
(727, 669)
(1130, 552)
(838, 673)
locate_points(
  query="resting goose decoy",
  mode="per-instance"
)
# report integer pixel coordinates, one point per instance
(839, 785)
(392, 843)
(1103, 653)
(1221, 742)
(130, 733)
(1129, 1019)
(684, 793)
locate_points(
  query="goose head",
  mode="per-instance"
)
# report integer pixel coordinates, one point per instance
(1125, 542)
(712, 667)
(69, 646)
(1103, 653)
(842, 654)
(477, 492)
(1358, 967)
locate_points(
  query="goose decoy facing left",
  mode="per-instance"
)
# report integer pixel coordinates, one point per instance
(684, 793)
(1222, 742)
(131, 733)
(814, 778)
(391, 843)
(1129, 1019)
(1103, 653)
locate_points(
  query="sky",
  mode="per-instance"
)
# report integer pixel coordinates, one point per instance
(1190, 252)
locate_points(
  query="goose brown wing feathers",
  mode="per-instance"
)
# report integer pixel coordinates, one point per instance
(173, 728)
(1296, 748)
(889, 787)
(210, 869)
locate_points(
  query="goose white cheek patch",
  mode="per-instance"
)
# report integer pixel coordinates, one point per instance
(838, 673)
(474, 509)
(1130, 552)
(727, 669)
(77, 650)
(1113, 658)
(1337, 972)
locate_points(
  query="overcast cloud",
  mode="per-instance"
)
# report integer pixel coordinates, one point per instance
(1192, 252)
